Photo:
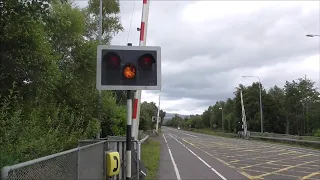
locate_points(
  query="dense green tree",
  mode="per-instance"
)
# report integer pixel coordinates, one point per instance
(47, 72)
(293, 109)
(176, 121)
(147, 110)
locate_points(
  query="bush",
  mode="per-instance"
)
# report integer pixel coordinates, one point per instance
(317, 133)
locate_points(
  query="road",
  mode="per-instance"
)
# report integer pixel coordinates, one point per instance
(189, 155)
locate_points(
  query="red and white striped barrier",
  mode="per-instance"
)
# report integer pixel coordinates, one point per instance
(137, 94)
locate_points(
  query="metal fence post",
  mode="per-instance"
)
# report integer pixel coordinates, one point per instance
(138, 160)
(139, 152)
(5, 173)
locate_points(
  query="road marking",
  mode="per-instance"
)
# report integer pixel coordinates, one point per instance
(184, 133)
(224, 162)
(311, 175)
(285, 153)
(175, 136)
(278, 158)
(284, 169)
(305, 155)
(234, 161)
(189, 134)
(165, 140)
(204, 162)
(172, 160)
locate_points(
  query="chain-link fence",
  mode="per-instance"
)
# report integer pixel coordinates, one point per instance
(87, 161)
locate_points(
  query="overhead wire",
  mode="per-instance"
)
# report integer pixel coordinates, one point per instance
(134, 3)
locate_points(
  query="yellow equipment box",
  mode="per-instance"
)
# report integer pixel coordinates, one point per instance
(112, 163)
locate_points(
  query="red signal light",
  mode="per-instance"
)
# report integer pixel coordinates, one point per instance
(113, 61)
(145, 62)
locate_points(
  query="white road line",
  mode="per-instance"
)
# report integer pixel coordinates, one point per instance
(204, 162)
(173, 162)
(184, 133)
(174, 135)
(165, 139)
(188, 134)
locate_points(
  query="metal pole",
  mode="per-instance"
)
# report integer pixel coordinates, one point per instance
(100, 41)
(221, 117)
(157, 125)
(261, 112)
(132, 116)
(100, 23)
(312, 35)
(138, 162)
(222, 121)
(142, 42)
(128, 135)
(305, 105)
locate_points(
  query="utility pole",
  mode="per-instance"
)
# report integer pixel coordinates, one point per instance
(261, 112)
(305, 104)
(100, 42)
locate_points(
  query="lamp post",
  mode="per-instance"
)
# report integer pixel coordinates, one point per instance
(221, 118)
(261, 113)
(312, 35)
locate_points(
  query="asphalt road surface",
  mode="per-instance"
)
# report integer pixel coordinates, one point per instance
(195, 156)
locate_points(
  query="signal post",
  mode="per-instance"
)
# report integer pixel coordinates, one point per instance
(129, 68)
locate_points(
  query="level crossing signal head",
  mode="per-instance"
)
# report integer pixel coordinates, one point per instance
(128, 67)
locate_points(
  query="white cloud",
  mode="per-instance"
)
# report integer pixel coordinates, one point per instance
(180, 106)
(288, 71)
(208, 45)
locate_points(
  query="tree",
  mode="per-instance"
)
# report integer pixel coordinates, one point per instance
(293, 109)
(279, 122)
(147, 110)
(47, 94)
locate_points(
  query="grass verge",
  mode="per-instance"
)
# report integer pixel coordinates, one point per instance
(150, 156)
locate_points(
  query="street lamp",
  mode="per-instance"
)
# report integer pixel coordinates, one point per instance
(221, 118)
(261, 113)
(312, 35)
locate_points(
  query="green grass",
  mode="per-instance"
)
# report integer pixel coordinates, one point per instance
(150, 156)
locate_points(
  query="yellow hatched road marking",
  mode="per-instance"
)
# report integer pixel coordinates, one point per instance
(225, 163)
(311, 175)
(287, 168)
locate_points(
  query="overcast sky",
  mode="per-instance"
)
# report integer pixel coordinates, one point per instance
(208, 45)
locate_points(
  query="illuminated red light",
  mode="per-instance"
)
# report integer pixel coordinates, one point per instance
(147, 60)
(113, 61)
